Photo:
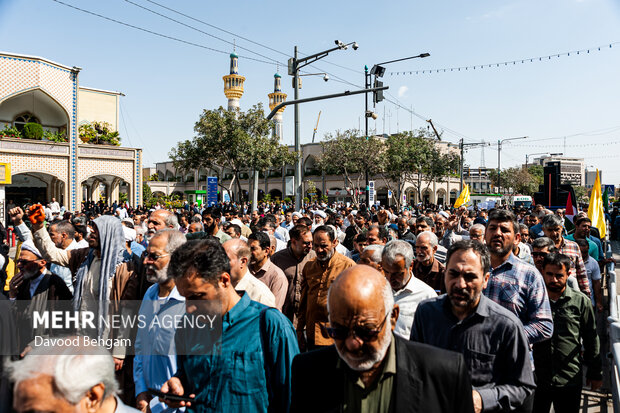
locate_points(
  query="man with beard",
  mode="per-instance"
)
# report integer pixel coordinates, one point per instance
(560, 361)
(292, 261)
(359, 225)
(317, 276)
(211, 218)
(262, 268)
(370, 369)
(409, 291)
(490, 337)
(239, 255)
(514, 284)
(552, 226)
(251, 371)
(155, 360)
(32, 289)
(426, 267)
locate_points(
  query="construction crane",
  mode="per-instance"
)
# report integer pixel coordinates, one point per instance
(434, 130)
(316, 127)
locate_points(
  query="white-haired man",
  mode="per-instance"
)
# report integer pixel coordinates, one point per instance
(152, 367)
(426, 266)
(409, 291)
(371, 256)
(71, 378)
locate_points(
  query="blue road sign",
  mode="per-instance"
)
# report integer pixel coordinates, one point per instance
(211, 190)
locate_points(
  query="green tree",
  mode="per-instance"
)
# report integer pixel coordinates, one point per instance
(522, 181)
(147, 194)
(232, 141)
(415, 158)
(350, 154)
(581, 193)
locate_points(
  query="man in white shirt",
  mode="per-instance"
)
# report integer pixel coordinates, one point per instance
(239, 254)
(397, 260)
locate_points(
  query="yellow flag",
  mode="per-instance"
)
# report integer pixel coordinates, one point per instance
(596, 211)
(464, 197)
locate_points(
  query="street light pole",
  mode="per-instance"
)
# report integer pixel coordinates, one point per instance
(499, 160)
(366, 86)
(294, 65)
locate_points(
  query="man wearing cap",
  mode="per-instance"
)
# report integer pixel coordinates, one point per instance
(31, 289)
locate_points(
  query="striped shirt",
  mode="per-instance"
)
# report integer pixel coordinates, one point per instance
(571, 249)
(520, 288)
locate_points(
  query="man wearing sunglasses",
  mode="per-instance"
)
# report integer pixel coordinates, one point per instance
(370, 369)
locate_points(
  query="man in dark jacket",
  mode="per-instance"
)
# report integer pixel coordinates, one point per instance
(370, 369)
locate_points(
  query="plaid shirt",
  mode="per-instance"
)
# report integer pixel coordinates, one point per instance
(571, 249)
(519, 287)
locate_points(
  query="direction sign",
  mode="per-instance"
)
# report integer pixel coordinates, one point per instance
(211, 190)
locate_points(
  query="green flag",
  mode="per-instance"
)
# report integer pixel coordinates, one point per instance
(606, 201)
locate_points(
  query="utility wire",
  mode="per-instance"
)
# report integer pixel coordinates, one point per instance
(176, 39)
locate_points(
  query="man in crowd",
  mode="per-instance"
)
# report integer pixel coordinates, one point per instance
(32, 289)
(525, 234)
(242, 279)
(360, 241)
(476, 233)
(558, 362)
(540, 248)
(404, 232)
(292, 261)
(490, 337)
(370, 369)
(378, 235)
(211, 218)
(160, 219)
(262, 268)
(409, 291)
(514, 284)
(269, 225)
(426, 267)
(155, 357)
(66, 379)
(195, 227)
(359, 225)
(317, 276)
(552, 226)
(594, 274)
(371, 256)
(256, 347)
(583, 226)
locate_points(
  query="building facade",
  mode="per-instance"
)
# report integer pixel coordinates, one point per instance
(572, 170)
(34, 89)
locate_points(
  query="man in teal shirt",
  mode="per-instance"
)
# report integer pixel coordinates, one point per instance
(248, 367)
(582, 231)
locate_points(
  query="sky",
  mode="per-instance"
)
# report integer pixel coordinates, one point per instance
(567, 104)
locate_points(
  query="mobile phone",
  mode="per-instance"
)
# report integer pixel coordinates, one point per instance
(171, 397)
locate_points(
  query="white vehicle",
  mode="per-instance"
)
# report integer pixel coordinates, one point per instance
(520, 201)
(485, 201)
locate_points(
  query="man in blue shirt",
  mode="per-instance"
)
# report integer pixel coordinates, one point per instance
(247, 368)
(155, 361)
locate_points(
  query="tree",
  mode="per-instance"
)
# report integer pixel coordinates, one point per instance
(581, 193)
(415, 158)
(234, 141)
(147, 194)
(349, 154)
(521, 180)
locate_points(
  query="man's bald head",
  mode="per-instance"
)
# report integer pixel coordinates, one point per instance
(239, 255)
(360, 287)
(360, 303)
(160, 219)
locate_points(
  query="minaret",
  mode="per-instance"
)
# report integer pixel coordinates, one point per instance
(275, 99)
(233, 83)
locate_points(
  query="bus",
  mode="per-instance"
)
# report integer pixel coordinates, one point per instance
(520, 201)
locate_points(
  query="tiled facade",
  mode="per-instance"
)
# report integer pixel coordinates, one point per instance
(72, 163)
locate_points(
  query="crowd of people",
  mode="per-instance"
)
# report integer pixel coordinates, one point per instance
(331, 308)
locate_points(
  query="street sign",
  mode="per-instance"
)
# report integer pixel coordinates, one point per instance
(371, 192)
(610, 189)
(211, 190)
(389, 194)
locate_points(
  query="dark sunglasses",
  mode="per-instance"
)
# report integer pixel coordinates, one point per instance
(25, 262)
(363, 333)
(539, 254)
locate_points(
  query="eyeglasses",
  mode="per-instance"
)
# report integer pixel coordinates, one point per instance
(363, 333)
(154, 257)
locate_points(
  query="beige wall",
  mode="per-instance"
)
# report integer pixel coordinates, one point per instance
(96, 105)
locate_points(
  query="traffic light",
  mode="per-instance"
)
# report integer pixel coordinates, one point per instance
(377, 95)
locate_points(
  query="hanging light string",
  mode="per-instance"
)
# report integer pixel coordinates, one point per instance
(510, 62)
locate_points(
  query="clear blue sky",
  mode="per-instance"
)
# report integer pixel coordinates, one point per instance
(168, 84)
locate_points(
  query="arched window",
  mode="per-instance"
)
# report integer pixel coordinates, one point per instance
(24, 118)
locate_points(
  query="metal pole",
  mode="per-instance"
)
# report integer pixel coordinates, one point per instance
(461, 165)
(499, 173)
(297, 179)
(366, 86)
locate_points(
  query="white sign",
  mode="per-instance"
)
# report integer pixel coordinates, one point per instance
(371, 192)
(389, 194)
